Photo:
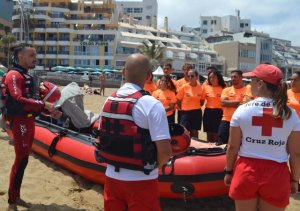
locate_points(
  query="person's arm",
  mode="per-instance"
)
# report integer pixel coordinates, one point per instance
(225, 102)
(14, 81)
(164, 151)
(294, 161)
(170, 107)
(233, 147)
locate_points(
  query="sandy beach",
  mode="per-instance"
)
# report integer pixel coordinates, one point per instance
(48, 187)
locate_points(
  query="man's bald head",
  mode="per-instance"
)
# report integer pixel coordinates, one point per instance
(137, 68)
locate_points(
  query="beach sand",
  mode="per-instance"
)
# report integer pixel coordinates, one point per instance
(50, 188)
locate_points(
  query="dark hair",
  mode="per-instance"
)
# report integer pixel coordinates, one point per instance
(212, 68)
(169, 81)
(221, 81)
(239, 72)
(168, 64)
(280, 98)
(189, 66)
(19, 48)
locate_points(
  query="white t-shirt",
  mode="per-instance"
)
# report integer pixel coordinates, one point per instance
(147, 113)
(263, 136)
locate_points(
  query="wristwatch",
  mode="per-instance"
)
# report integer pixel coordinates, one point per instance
(227, 171)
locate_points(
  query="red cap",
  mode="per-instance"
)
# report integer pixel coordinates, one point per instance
(266, 72)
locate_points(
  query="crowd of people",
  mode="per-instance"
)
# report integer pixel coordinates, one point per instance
(188, 97)
(262, 134)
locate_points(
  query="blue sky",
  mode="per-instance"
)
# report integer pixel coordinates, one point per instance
(279, 18)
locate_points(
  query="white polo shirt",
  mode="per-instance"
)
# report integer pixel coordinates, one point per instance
(263, 136)
(147, 113)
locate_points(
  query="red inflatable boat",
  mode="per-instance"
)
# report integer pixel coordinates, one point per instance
(196, 173)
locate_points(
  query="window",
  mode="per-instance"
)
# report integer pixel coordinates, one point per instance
(64, 62)
(242, 25)
(247, 54)
(120, 63)
(204, 22)
(128, 10)
(52, 62)
(138, 10)
(148, 7)
(204, 31)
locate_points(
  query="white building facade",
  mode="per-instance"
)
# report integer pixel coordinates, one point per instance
(216, 25)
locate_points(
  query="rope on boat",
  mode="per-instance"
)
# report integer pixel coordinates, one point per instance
(52, 147)
(192, 151)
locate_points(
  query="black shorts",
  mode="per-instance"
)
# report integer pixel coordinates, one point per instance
(191, 119)
(224, 132)
(211, 119)
(171, 118)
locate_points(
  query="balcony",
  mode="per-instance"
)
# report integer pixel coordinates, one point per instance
(51, 52)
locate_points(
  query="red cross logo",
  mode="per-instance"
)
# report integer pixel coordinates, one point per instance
(267, 122)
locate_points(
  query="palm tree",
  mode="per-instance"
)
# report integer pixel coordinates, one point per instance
(155, 53)
(7, 40)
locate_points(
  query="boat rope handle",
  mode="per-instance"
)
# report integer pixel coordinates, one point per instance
(192, 151)
(52, 147)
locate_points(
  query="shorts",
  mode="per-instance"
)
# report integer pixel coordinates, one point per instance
(212, 119)
(192, 119)
(223, 132)
(171, 118)
(131, 195)
(259, 178)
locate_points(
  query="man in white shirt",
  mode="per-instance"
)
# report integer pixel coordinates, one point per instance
(128, 188)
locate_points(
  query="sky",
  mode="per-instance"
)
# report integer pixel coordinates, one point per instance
(279, 18)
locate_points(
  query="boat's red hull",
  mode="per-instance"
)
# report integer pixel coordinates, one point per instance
(194, 176)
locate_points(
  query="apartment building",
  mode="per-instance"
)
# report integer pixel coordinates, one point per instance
(180, 47)
(216, 25)
(86, 33)
(143, 12)
(71, 33)
(286, 56)
(6, 8)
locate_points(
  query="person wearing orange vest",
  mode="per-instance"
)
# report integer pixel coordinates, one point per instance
(294, 93)
(231, 98)
(166, 94)
(208, 71)
(135, 140)
(167, 69)
(179, 83)
(262, 159)
(211, 93)
(188, 100)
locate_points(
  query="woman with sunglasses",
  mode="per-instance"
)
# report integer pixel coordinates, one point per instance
(188, 100)
(211, 93)
(264, 139)
(294, 92)
(166, 94)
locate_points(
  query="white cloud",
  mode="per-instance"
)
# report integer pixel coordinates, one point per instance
(279, 18)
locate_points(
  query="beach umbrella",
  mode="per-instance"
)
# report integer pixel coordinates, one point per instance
(59, 68)
(89, 69)
(71, 68)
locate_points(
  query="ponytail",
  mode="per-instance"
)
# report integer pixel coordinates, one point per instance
(281, 110)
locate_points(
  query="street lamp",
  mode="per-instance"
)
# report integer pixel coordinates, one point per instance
(24, 27)
(286, 65)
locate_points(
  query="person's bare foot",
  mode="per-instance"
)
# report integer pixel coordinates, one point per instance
(12, 207)
(23, 203)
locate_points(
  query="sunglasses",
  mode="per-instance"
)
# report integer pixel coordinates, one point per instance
(191, 76)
